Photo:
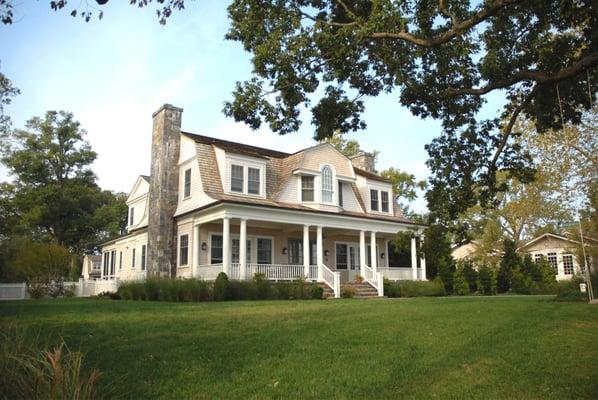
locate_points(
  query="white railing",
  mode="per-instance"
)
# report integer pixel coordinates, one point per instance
(400, 274)
(313, 273)
(276, 272)
(235, 271)
(88, 288)
(13, 291)
(375, 279)
(332, 279)
(207, 272)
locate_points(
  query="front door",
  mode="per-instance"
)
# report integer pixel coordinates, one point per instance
(354, 267)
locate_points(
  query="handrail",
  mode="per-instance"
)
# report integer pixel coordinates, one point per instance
(332, 279)
(375, 279)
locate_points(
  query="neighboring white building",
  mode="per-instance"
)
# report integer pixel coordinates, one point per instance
(314, 214)
(559, 251)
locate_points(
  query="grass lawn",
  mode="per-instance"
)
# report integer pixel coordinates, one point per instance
(470, 347)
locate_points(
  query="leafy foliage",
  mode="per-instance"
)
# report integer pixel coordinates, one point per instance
(509, 263)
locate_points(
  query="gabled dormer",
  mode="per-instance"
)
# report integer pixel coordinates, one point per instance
(137, 203)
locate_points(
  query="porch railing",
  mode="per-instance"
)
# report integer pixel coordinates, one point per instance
(207, 272)
(276, 272)
(332, 279)
(313, 273)
(375, 279)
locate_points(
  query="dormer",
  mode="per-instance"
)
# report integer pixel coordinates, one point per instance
(137, 203)
(242, 174)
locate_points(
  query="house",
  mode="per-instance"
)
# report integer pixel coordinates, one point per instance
(559, 251)
(92, 267)
(313, 214)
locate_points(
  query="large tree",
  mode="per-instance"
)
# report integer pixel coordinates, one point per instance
(54, 194)
(441, 58)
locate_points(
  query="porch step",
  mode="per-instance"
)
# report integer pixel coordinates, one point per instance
(363, 290)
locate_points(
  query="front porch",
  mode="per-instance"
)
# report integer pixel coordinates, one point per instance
(282, 251)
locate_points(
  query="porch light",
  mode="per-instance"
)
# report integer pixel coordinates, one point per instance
(284, 250)
(325, 253)
(382, 256)
(204, 246)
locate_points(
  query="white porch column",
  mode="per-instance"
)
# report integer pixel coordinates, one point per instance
(373, 252)
(422, 260)
(243, 249)
(306, 250)
(362, 250)
(226, 245)
(413, 259)
(196, 250)
(319, 253)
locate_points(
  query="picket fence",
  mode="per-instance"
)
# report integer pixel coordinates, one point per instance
(82, 288)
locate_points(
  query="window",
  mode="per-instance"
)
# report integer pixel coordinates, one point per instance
(374, 200)
(384, 201)
(313, 252)
(187, 187)
(568, 264)
(307, 188)
(120, 260)
(105, 271)
(236, 253)
(264, 251)
(340, 194)
(341, 256)
(133, 258)
(112, 261)
(131, 215)
(327, 188)
(253, 181)
(236, 178)
(538, 258)
(397, 257)
(295, 251)
(552, 260)
(143, 257)
(184, 250)
(216, 250)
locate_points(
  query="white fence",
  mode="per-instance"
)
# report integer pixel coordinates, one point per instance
(83, 288)
(399, 274)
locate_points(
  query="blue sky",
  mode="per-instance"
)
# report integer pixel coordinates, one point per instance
(112, 74)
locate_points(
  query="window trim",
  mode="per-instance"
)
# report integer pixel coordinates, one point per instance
(131, 216)
(186, 248)
(340, 194)
(245, 164)
(569, 256)
(382, 202)
(259, 181)
(312, 189)
(133, 259)
(326, 184)
(232, 168)
(187, 183)
(143, 257)
(377, 201)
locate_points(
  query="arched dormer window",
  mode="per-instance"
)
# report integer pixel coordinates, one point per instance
(327, 186)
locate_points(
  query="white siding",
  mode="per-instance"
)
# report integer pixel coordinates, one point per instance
(126, 246)
(350, 202)
(289, 193)
(326, 154)
(197, 198)
(187, 149)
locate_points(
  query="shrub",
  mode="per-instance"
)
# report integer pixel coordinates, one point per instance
(460, 286)
(487, 280)
(221, 287)
(299, 289)
(28, 371)
(414, 288)
(262, 286)
(317, 292)
(348, 292)
(521, 283)
(446, 273)
(569, 290)
(470, 275)
(37, 290)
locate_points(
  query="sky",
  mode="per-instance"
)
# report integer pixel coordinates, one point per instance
(112, 74)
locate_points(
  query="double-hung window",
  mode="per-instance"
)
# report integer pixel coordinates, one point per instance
(341, 256)
(264, 251)
(112, 262)
(340, 194)
(216, 250)
(131, 215)
(187, 185)
(184, 250)
(120, 261)
(307, 188)
(374, 199)
(384, 201)
(552, 260)
(133, 258)
(143, 256)
(568, 264)
(327, 187)
(236, 178)
(253, 180)
(236, 251)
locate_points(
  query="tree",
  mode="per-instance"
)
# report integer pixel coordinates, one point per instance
(54, 192)
(509, 263)
(348, 147)
(7, 92)
(437, 250)
(442, 57)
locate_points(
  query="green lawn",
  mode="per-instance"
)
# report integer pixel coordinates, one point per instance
(471, 347)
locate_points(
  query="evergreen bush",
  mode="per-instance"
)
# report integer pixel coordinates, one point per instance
(221, 287)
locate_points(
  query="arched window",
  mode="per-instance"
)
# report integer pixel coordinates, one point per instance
(327, 188)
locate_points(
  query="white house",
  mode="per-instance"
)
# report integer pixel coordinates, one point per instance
(314, 214)
(559, 251)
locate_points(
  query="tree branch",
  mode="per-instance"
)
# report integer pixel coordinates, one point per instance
(456, 30)
(534, 75)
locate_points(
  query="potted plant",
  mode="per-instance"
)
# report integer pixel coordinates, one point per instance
(358, 279)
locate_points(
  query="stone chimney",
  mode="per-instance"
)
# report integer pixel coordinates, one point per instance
(365, 161)
(163, 192)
